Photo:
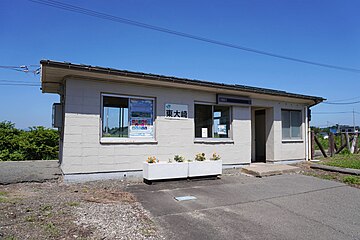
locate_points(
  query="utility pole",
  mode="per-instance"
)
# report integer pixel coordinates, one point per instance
(354, 119)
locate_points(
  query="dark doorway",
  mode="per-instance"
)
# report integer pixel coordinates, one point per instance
(260, 136)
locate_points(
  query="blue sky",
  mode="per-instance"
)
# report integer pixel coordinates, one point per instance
(320, 31)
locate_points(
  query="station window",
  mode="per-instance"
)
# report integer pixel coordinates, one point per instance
(127, 117)
(291, 124)
(212, 121)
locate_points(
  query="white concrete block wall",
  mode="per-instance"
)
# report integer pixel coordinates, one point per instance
(83, 152)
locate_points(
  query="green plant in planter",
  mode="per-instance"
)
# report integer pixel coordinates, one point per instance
(152, 159)
(200, 157)
(179, 158)
(215, 157)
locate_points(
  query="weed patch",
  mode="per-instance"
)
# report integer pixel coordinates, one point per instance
(351, 179)
(52, 229)
(73, 204)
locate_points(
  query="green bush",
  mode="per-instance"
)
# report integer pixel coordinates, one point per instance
(39, 143)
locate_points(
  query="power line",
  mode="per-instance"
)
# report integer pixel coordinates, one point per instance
(11, 81)
(340, 103)
(9, 67)
(24, 68)
(332, 112)
(20, 84)
(85, 11)
(346, 99)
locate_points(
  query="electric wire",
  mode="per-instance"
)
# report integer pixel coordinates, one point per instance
(24, 68)
(341, 103)
(20, 84)
(11, 81)
(345, 99)
(335, 112)
(85, 11)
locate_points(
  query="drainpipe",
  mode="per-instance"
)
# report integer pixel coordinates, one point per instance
(308, 132)
(306, 135)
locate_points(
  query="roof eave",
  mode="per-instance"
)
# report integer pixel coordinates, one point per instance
(53, 86)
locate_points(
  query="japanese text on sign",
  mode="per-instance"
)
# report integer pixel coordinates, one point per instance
(177, 111)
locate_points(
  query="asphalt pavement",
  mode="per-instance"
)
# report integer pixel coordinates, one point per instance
(29, 171)
(242, 207)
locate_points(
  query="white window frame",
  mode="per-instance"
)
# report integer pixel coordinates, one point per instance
(229, 139)
(292, 139)
(126, 139)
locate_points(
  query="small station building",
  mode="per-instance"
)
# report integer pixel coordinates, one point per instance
(111, 120)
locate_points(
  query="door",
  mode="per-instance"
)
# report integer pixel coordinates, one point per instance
(260, 139)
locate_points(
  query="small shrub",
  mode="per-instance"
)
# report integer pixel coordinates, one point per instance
(152, 159)
(179, 158)
(215, 157)
(200, 157)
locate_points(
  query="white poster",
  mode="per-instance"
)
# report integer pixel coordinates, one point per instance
(222, 129)
(177, 111)
(204, 132)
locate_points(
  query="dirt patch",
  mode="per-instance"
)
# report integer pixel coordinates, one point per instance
(53, 210)
(335, 176)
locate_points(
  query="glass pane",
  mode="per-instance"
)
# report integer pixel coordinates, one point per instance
(285, 119)
(203, 121)
(221, 121)
(296, 124)
(115, 117)
(141, 118)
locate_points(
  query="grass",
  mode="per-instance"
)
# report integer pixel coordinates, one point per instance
(343, 161)
(10, 238)
(30, 218)
(46, 208)
(52, 229)
(73, 204)
(4, 198)
(3, 193)
(351, 179)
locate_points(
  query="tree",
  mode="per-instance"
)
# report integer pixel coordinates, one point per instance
(39, 143)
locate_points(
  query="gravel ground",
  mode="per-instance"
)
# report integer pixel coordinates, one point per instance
(54, 210)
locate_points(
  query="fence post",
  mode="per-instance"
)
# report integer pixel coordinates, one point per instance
(331, 145)
(312, 139)
(341, 139)
(347, 141)
(353, 144)
(320, 146)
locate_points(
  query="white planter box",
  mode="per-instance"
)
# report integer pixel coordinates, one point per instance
(205, 168)
(156, 171)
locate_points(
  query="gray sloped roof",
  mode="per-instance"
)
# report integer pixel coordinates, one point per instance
(113, 71)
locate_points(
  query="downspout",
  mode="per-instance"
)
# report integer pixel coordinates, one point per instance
(307, 131)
